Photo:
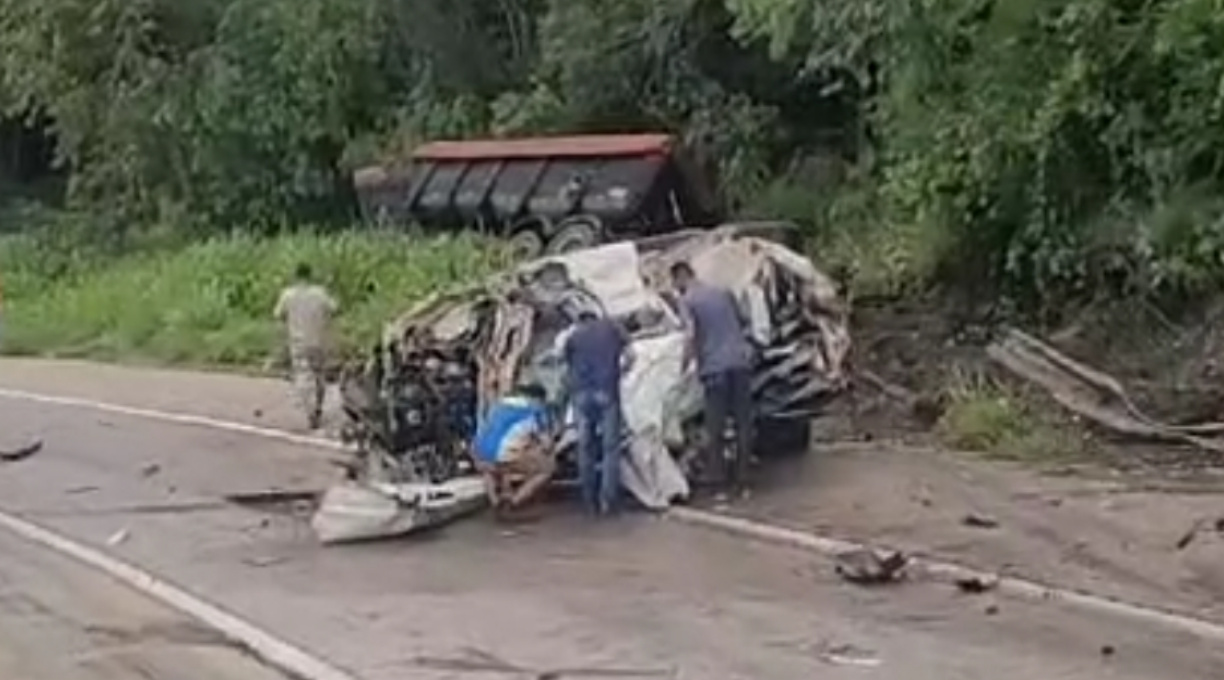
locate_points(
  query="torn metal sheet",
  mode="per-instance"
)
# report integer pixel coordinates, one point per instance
(360, 512)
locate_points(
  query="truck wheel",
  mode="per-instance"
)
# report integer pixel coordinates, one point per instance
(526, 243)
(575, 234)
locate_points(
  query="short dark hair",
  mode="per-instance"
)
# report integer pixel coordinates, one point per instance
(682, 269)
(303, 271)
(532, 391)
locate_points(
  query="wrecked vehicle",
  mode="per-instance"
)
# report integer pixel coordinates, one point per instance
(412, 407)
(544, 194)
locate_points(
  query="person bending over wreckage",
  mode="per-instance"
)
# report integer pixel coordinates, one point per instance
(596, 353)
(514, 442)
(718, 342)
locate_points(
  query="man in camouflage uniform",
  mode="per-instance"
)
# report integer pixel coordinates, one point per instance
(307, 308)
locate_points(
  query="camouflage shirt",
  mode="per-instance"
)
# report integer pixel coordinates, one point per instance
(307, 310)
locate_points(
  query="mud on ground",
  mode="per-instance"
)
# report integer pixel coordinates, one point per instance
(910, 353)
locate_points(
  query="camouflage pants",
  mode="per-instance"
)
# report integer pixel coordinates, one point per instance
(306, 372)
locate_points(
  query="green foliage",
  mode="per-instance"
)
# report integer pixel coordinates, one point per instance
(985, 416)
(1062, 148)
(210, 303)
(1050, 150)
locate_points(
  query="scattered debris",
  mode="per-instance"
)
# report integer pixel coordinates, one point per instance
(1197, 528)
(150, 470)
(976, 585)
(262, 562)
(21, 453)
(118, 537)
(1092, 394)
(849, 655)
(980, 522)
(870, 567)
(992, 610)
(275, 499)
(1191, 534)
(361, 512)
(78, 490)
(1108, 650)
(891, 390)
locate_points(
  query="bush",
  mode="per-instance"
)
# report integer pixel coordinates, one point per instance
(211, 303)
(985, 416)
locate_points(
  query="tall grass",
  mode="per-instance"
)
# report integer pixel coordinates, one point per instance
(210, 303)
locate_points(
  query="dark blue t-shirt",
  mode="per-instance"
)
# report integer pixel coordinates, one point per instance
(719, 330)
(593, 356)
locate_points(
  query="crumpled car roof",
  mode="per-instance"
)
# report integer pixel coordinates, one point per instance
(631, 281)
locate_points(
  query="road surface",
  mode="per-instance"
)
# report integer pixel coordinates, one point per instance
(641, 598)
(62, 621)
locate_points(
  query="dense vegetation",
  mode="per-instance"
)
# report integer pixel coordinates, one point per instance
(210, 303)
(1037, 150)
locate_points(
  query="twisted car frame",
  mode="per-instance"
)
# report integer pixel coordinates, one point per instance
(412, 406)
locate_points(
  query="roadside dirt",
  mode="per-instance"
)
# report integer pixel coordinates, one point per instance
(1080, 528)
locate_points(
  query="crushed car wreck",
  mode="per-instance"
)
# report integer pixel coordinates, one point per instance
(411, 408)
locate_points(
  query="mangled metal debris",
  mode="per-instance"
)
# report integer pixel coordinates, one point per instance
(412, 407)
(357, 512)
(869, 567)
(22, 452)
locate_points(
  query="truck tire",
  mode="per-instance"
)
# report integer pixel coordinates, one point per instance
(526, 243)
(576, 233)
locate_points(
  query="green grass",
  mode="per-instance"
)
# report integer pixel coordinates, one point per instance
(210, 304)
(985, 416)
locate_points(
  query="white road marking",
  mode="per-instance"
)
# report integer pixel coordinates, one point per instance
(942, 571)
(270, 649)
(176, 418)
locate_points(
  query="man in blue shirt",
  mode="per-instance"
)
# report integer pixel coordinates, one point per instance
(718, 342)
(514, 439)
(596, 352)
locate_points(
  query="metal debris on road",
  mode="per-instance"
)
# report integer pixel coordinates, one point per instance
(871, 567)
(1195, 529)
(980, 522)
(976, 585)
(21, 453)
(849, 655)
(265, 561)
(118, 537)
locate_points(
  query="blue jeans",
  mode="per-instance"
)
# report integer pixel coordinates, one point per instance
(599, 449)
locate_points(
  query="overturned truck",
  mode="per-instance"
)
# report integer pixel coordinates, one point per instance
(412, 407)
(545, 194)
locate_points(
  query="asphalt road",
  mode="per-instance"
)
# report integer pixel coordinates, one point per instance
(565, 598)
(62, 621)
